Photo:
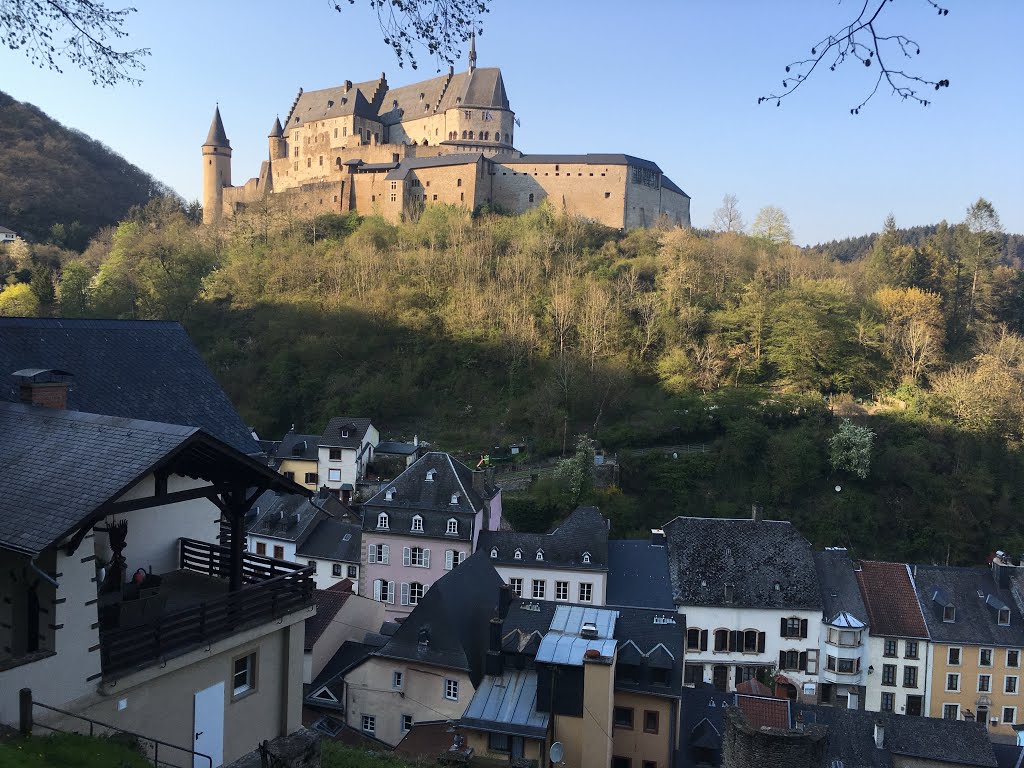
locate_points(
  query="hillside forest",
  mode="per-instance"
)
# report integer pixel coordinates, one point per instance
(476, 330)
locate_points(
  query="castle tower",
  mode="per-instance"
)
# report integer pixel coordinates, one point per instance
(216, 169)
(472, 50)
(278, 147)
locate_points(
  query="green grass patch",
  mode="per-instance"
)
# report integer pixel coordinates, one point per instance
(69, 751)
(336, 755)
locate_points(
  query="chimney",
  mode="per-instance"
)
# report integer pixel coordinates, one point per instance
(755, 512)
(657, 537)
(879, 734)
(45, 387)
(494, 662)
(504, 600)
(588, 630)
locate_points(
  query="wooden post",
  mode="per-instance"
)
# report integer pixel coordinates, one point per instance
(25, 711)
(237, 545)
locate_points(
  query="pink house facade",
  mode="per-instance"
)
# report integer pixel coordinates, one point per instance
(421, 526)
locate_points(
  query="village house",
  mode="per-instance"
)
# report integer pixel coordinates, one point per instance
(341, 616)
(898, 643)
(422, 525)
(749, 590)
(844, 642)
(344, 451)
(297, 457)
(7, 235)
(569, 564)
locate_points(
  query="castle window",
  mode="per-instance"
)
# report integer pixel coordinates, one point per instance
(296, 152)
(458, 182)
(607, 194)
(373, 198)
(458, 99)
(556, 167)
(531, 197)
(435, 198)
(393, 198)
(394, 185)
(471, 134)
(296, 166)
(321, 159)
(394, 104)
(426, 107)
(462, 197)
(335, 133)
(421, 99)
(463, 134)
(309, 162)
(344, 131)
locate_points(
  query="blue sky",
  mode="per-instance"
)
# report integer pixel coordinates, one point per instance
(675, 81)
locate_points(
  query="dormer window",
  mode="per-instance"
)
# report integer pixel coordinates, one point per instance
(494, 552)
(540, 554)
(455, 498)
(949, 614)
(453, 527)
(344, 433)
(519, 554)
(586, 557)
(431, 474)
(382, 521)
(389, 494)
(1003, 617)
(417, 523)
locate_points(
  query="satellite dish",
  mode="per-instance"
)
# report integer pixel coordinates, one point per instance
(557, 752)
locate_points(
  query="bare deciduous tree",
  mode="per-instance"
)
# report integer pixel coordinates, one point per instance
(728, 217)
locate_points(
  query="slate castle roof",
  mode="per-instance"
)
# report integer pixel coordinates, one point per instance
(414, 495)
(584, 531)
(890, 600)
(976, 598)
(839, 591)
(767, 564)
(638, 575)
(136, 369)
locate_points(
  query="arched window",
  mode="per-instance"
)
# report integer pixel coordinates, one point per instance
(519, 554)
(494, 552)
(417, 523)
(752, 641)
(463, 134)
(471, 134)
(382, 520)
(540, 554)
(389, 494)
(721, 639)
(586, 557)
(453, 526)
(431, 474)
(455, 498)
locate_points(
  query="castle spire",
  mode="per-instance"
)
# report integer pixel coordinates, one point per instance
(217, 137)
(472, 49)
(276, 131)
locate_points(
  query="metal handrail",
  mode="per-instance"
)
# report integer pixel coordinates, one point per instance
(157, 743)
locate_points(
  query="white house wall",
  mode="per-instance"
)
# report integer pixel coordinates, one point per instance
(598, 580)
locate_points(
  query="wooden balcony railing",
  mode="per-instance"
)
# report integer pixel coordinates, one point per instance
(272, 589)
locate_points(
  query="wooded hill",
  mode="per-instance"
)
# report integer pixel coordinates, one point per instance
(54, 175)
(477, 331)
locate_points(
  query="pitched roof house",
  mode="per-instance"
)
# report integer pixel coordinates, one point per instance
(844, 641)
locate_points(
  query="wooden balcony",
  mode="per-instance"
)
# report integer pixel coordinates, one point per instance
(193, 606)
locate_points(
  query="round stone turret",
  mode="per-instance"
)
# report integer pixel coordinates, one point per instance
(216, 169)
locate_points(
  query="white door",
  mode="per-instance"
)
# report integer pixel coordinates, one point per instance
(208, 732)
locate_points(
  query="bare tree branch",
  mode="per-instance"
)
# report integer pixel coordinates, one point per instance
(82, 32)
(860, 40)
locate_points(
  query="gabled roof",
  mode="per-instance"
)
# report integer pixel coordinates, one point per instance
(438, 161)
(59, 467)
(840, 596)
(333, 539)
(415, 495)
(671, 186)
(890, 600)
(659, 636)
(970, 590)
(335, 436)
(707, 555)
(583, 532)
(328, 603)
(296, 446)
(6, 231)
(331, 677)
(137, 369)
(638, 575)
(453, 617)
(287, 516)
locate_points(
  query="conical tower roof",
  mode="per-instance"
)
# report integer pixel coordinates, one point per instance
(217, 137)
(277, 131)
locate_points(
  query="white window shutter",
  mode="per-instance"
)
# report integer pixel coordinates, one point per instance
(462, 557)
(391, 592)
(449, 559)
(406, 556)
(385, 554)
(426, 558)
(405, 593)
(376, 590)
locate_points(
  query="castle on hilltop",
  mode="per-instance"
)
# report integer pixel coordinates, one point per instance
(372, 148)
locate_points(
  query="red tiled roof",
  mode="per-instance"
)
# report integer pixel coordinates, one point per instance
(328, 602)
(764, 712)
(891, 600)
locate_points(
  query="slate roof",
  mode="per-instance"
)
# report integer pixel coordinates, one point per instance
(288, 517)
(701, 712)
(296, 446)
(59, 467)
(975, 618)
(395, 447)
(839, 590)
(137, 369)
(638, 575)
(349, 655)
(439, 161)
(851, 738)
(1009, 755)
(706, 554)
(890, 600)
(431, 499)
(333, 539)
(508, 158)
(454, 615)
(356, 428)
(585, 530)
(216, 137)
(6, 231)
(671, 186)
(328, 603)
(276, 131)
(659, 638)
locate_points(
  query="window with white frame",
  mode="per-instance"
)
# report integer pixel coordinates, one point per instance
(453, 527)
(336, 570)
(382, 521)
(953, 657)
(586, 592)
(586, 557)
(518, 555)
(1009, 715)
(455, 498)
(397, 679)
(417, 524)
(378, 553)
(561, 590)
(353, 571)
(416, 590)
(984, 657)
(952, 681)
(949, 614)
(1010, 684)
(984, 683)
(406, 723)
(451, 689)
(494, 552)
(540, 554)
(243, 678)
(389, 494)
(417, 557)
(453, 558)
(517, 586)
(950, 711)
(1003, 617)
(334, 475)
(383, 591)
(431, 474)
(369, 724)
(1012, 658)
(538, 589)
